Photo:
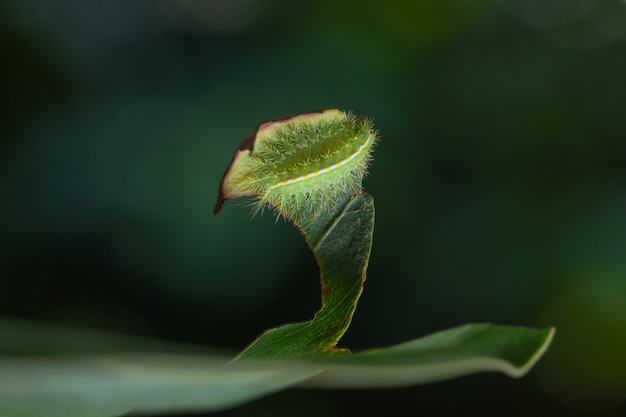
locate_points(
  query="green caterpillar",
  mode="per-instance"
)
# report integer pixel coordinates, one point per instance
(301, 164)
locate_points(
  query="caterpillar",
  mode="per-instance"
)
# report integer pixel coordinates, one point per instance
(301, 164)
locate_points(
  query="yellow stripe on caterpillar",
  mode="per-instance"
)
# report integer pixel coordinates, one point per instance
(323, 170)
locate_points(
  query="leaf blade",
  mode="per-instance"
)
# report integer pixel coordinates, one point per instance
(158, 378)
(341, 241)
(464, 350)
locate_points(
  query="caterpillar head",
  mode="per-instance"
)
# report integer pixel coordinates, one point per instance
(301, 164)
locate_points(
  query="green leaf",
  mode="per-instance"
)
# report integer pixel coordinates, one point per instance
(50, 371)
(118, 374)
(341, 241)
(463, 350)
(113, 385)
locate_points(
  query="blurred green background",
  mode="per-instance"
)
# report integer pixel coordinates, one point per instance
(500, 180)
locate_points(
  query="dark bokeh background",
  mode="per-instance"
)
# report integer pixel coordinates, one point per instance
(500, 181)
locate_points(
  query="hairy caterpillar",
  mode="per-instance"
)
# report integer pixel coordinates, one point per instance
(301, 164)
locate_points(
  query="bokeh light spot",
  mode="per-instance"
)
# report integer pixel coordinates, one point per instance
(586, 366)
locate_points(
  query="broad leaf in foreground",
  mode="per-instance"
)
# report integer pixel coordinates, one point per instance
(120, 374)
